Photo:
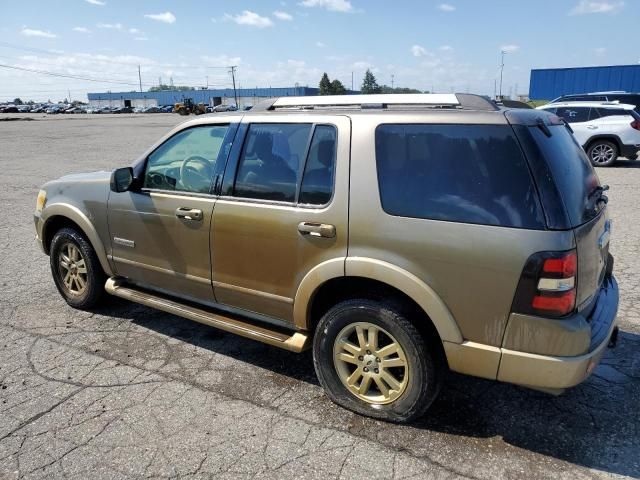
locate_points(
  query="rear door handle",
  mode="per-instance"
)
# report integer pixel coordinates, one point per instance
(317, 229)
(189, 213)
(592, 127)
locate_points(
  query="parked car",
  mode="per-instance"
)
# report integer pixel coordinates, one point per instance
(55, 109)
(24, 108)
(167, 109)
(606, 130)
(152, 110)
(122, 110)
(425, 233)
(613, 96)
(10, 109)
(224, 108)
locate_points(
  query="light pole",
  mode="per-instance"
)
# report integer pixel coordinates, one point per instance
(502, 53)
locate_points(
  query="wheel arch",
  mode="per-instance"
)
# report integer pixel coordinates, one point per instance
(342, 278)
(58, 216)
(607, 136)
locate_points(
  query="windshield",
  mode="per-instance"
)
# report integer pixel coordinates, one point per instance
(572, 172)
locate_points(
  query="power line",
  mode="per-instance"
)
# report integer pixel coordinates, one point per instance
(64, 75)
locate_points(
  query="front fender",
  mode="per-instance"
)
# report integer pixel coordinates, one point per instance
(78, 217)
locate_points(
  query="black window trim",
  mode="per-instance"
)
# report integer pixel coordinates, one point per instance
(240, 142)
(233, 126)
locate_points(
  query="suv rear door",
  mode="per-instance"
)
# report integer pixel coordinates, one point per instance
(282, 211)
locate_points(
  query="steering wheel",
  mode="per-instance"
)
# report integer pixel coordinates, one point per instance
(191, 176)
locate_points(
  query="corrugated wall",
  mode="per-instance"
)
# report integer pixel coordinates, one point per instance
(547, 84)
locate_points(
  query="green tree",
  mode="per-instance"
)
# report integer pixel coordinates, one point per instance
(337, 88)
(388, 89)
(180, 88)
(17, 101)
(370, 84)
(325, 85)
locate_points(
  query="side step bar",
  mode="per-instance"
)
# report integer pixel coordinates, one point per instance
(297, 342)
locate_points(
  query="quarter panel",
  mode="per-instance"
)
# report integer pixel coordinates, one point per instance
(473, 269)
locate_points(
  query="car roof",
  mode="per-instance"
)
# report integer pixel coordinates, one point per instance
(613, 105)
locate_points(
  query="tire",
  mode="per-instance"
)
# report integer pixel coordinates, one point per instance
(72, 254)
(603, 153)
(419, 379)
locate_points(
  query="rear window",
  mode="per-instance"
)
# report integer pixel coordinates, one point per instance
(572, 172)
(459, 173)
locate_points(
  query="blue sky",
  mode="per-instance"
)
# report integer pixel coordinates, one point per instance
(445, 46)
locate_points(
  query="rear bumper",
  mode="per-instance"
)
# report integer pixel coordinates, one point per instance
(558, 372)
(629, 151)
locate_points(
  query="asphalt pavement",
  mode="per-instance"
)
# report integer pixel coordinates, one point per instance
(130, 392)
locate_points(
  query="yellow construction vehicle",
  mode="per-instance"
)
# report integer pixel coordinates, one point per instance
(187, 107)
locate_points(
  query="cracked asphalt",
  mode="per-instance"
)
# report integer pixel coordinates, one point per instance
(130, 392)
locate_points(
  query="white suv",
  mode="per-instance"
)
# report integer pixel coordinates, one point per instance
(606, 130)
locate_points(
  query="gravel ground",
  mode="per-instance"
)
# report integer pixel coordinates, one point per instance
(130, 392)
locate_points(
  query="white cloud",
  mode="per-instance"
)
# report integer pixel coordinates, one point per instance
(320, 45)
(134, 31)
(220, 60)
(280, 15)
(589, 6)
(81, 29)
(361, 65)
(418, 51)
(96, 2)
(141, 39)
(30, 32)
(446, 7)
(110, 26)
(333, 5)
(600, 51)
(250, 18)
(446, 48)
(166, 17)
(510, 48)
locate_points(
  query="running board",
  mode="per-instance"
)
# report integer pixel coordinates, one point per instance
(297, 342)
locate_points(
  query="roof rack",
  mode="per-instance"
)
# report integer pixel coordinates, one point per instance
(463, 101)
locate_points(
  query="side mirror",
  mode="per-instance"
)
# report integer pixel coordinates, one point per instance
(121, 179)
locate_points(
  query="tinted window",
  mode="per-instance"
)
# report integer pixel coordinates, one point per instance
(611, 112)
(269, 166)
(571, 170)
(187, 161)
(461, 173)
(317, 183)
(573, 114)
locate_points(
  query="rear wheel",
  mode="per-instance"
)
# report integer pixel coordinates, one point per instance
(76, 269)
(602, 153)
(372, 360)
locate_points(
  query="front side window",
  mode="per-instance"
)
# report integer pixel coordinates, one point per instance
(187, 161)
(573, 114)
(271, 162)
(459, 173)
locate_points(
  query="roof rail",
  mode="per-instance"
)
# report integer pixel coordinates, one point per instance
(380, 101)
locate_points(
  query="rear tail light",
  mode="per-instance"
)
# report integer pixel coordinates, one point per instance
(635, 124)
(547, 285)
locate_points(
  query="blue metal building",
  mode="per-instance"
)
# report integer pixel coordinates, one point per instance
(550, 83)
(246, 96)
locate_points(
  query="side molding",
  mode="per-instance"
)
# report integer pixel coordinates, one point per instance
(411, 285)
(77, 216)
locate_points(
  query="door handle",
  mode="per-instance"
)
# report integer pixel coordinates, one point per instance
(317, 229)
(592, 127)
(189, 213)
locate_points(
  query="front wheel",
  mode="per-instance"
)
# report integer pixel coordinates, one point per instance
(76, 269)
(602, 153)
(372, 360)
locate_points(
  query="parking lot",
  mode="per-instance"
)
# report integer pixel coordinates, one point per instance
(130, 392)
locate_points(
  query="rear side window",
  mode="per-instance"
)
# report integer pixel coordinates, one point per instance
(459, 173)
(317, 183)
(269, 167)
(612, 112)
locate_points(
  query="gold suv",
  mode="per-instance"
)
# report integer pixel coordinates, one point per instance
(398, 236)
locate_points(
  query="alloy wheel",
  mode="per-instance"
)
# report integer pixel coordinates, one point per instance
(602, 153)
(72, 269)
(370, 363)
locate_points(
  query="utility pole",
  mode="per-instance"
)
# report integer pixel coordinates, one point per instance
(207, 82)
(352, 81)
(233, 78)
(140, 78)
(69, 92)
(502, 53)
(392, 77)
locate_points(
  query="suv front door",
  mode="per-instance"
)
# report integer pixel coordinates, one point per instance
(160, 229)
(282, 211)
